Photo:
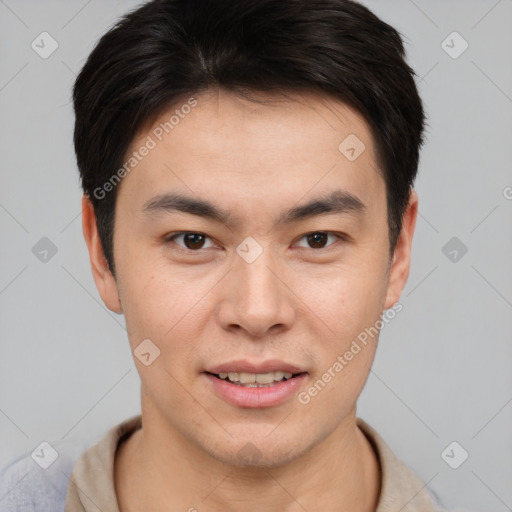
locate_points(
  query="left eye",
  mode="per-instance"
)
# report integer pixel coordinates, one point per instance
(318, 239)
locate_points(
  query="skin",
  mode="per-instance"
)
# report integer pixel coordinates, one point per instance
(296, 302)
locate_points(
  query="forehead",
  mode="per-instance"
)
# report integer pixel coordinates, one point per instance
(279, 148)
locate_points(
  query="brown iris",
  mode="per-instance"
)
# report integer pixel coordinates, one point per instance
(193, 240)
(317, 238)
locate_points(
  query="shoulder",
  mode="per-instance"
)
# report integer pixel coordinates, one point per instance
(399, 484)
(38, 481)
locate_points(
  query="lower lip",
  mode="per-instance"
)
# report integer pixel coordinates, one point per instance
(255, 398)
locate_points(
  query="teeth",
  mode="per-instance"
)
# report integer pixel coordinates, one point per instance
(279, 375)
(248, 378)
(255, 378)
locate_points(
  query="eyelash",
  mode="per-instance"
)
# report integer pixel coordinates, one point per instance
(173, 236)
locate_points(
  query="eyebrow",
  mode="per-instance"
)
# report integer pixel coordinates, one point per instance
(338, 201)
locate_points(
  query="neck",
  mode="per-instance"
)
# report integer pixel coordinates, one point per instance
(158, 467)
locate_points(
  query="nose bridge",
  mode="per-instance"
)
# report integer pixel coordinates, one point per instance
(257, 280)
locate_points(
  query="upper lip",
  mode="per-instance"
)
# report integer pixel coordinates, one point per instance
(238, 366)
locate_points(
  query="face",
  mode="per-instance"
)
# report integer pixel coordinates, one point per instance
(254, 276)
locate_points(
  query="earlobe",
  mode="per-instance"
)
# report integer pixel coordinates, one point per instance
(400, 265)
(105, 281)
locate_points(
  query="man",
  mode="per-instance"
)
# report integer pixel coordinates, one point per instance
(247, 169)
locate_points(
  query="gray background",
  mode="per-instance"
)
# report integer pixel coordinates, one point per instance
(443, 366)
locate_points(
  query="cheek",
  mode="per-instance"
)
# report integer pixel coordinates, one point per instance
(167, 307)
(345, 311)
(345, 308)
(345, 299)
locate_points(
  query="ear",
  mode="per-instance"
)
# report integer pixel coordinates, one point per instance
(400, 265)
(105, 281)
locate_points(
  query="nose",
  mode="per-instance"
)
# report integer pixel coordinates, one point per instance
(256, 297)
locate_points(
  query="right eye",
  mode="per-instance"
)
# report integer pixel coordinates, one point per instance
(192, 241)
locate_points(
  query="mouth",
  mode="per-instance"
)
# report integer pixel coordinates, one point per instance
(256, 390)
(256, 380)
(251, 384)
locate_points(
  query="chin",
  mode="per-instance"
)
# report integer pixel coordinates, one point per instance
(257, 453)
